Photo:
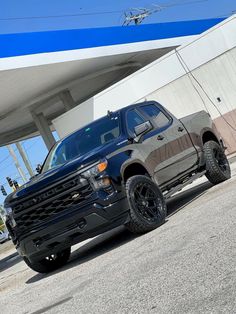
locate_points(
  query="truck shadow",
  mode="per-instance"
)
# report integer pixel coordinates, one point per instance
(182, 199)
(113, 239)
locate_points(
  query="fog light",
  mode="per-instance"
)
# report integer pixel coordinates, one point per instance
(103, 183)
(106, 181)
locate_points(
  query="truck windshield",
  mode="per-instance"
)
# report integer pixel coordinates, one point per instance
(83, 141)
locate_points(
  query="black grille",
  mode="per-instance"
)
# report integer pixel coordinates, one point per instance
(46, 195)
(54, 200)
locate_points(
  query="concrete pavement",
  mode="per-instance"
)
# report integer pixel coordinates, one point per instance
(188, 265)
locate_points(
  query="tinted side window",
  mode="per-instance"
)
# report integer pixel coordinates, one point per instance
(133, 119)
(156, 114)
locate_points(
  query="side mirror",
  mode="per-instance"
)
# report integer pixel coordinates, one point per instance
(142, 129)
(38, 168)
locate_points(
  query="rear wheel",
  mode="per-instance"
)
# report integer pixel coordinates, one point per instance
(146, 203)
(49, 263)
(217, 165)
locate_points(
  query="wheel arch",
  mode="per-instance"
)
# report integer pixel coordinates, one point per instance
(209, 136)
(133, 169)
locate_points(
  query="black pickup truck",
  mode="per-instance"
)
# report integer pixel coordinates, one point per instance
(117, 170)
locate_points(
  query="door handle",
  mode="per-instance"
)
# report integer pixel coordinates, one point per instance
(160, 137)
(180, 129)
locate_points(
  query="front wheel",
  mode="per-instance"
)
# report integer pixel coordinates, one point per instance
(146, 203)
(49, 263)
(217, 164)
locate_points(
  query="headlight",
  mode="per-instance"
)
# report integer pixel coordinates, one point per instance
(95, 170)
(9, 216)
(8, 210)
(96, 181)
(4, 214)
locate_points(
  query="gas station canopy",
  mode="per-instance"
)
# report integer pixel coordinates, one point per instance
(44, 74)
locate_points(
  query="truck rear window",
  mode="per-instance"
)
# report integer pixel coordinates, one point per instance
(156, 114)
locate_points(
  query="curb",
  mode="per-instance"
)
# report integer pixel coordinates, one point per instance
(5, 259)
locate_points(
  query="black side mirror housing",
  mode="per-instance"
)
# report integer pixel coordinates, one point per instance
(141, 129)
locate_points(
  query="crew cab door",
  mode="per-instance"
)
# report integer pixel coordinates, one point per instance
(178, 153)
(152, 149)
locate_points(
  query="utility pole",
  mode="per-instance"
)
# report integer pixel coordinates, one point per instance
(18, 167)
(25, 159)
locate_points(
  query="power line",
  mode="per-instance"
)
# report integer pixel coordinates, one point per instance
(137, 15)
(185, 67)
(4, 159)
(27, 154)
(172, 4)
(189, 71)
(25, 158)
(58, 16)
(17, 164)
(7, 157)
(156, 7)
(28, 148)
(3, 179)
(7, 166)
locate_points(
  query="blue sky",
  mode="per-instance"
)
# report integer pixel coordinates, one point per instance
(25, 16)
(107, 13)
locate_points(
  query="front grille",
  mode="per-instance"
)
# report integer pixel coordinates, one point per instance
(54, 200)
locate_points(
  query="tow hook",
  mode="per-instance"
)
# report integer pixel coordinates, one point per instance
(82, 223)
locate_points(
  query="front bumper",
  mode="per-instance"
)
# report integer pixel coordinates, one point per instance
(71, 228)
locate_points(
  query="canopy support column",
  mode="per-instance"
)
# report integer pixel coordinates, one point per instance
(25, 159)
(44, 129)
(67, 100)
(17, 164)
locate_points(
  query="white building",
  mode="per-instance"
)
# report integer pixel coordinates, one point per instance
(200, 74)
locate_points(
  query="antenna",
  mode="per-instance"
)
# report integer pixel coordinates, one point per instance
(137, 15)
(109, 113)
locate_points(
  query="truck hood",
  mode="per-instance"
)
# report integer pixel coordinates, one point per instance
(52, 176)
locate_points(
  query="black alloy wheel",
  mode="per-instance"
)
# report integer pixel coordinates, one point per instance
(147, 204)
(147, 201)
(217, 164)
(221, 159)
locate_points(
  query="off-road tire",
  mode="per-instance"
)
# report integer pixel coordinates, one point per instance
(138, 222)
(46, 265)
(217, 165)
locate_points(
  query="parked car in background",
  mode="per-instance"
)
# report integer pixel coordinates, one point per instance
(4, 236)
